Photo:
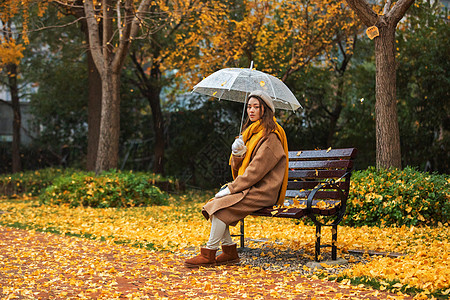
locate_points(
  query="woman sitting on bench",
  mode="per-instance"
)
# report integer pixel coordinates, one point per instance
(259, 164)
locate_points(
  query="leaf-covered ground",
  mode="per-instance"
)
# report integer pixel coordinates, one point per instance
(46, 266)
(424, 270)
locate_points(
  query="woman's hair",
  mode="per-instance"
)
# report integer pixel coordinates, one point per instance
(266, 119)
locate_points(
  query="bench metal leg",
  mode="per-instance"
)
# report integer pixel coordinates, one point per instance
(334, 242)
(242, 234)
(318, 234)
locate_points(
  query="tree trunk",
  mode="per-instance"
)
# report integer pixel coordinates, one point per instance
(109, 61)
(17, 118)
(387, 129)
(94, 88)
(94, 113)
(336, 113)
(158, 127)
(108, 146)
(150, 87)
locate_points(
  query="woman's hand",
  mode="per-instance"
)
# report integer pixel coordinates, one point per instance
(223, 192)
(238, 148)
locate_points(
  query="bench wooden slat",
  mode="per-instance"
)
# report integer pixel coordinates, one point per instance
(303, 185)
(303, 202)
(294, 212)
(321, 164)
(316, 173)
(323, 154)
(318, 195)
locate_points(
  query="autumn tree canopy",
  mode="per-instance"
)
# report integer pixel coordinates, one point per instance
(280, 37)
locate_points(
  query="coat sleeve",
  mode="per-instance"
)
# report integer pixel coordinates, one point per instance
(236, 162)
(264, 160)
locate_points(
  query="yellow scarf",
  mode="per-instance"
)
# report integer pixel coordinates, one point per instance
(252, 135)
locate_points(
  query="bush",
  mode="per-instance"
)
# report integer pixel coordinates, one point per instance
(109, 189)
(31, 182)
(397, 197)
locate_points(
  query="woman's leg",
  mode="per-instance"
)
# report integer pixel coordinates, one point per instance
(207, 256)
(229, 253)
(226, 239)
(219, 231)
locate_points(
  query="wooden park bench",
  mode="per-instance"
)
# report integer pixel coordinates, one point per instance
(318, 185)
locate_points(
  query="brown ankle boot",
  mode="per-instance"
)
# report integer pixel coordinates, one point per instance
(206, 258)
(229, 255)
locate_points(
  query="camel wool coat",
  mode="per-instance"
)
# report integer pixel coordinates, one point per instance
(258, 187)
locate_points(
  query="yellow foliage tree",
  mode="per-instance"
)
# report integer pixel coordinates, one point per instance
(13, 39)
(281, 37)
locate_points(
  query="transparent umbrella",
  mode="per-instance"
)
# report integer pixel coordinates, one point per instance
(236, 84)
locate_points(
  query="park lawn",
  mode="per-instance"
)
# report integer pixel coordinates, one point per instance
(180, 226)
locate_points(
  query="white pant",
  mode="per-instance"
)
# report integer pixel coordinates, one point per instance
(220, 232)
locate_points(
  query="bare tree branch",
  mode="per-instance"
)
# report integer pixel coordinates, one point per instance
(6, 102)
(398, 10)
(56, 26)
(66, 4)
(119, 19)
(130, 31)
(94, 36)
(387, 6)
(364, 11)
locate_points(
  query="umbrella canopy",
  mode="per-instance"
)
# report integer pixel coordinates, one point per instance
(236, 84)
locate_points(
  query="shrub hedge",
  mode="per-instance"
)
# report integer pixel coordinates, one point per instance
(108, 189)
(377, 197)
(30, 183)
(397, 197)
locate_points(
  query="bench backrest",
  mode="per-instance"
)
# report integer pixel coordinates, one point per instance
(308, 169)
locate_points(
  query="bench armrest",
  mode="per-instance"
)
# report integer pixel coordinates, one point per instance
(343, 205)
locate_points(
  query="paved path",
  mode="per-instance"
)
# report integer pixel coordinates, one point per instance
(44, 266)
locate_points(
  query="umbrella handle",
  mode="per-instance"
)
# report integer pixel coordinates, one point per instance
(243, 113)
(245, 104)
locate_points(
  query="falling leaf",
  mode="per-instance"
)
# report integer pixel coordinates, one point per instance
(299, 152)
(214, 93)
(329, 149)
(262, 83)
